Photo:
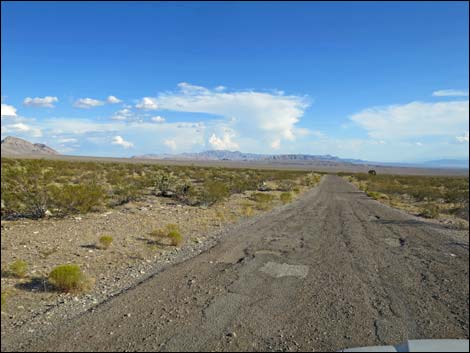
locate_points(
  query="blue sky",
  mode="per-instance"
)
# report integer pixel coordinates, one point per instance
(376, 81)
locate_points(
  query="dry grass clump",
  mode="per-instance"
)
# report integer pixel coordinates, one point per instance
(170, 233)
(69, 278)
(105, 241)
(18, 268)
(285, 197)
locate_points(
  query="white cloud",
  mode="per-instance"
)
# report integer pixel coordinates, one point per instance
(147, 103)
(416, 119)
(171, 143)
(113, 100)
(87, 103)
(123, 114)
(463, 138)
(157, 119)
(419, 144)
(8, 111)
(45, 102)
(260, 116)
(21, 128)
(450, 93)
(224, 143)
(118, 140)
(67, 140)
(276, 144)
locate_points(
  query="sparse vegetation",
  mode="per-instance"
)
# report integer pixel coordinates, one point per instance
(428, 196)
(69, 278)
(18, 268)
(285, 197)
(170, 233)
(4, 298)
(105, 241)
(39, 188)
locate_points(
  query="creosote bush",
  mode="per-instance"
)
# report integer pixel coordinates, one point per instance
(19, 268)
(69, 278)
(105, 241)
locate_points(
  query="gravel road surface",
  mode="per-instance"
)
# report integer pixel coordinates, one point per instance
(334, 269)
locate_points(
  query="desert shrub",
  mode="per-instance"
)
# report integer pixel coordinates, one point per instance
(80, 198)
(430, 211)
(311, 179)
(184, 190)
(25, 189)
(286, 185)
(105, 241)
(164, 183)
(125, 190)
(285, 197)
(247, 210)
(262, 197)
(263, 200)
(68, 278)
(212, 192)
(171, 233)
(377, 195)
(19, 268)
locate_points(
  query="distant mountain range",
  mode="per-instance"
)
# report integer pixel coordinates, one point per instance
(16, 146)
(12, 146)
(220, 155)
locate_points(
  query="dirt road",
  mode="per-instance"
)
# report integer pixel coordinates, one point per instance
(334, 269)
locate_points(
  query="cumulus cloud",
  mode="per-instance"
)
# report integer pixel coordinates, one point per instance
(87, 103)
(416, 119)
(463, 138)
(123, 114)
(113, 100)
(157, 119)
(118, 140)
(224, 143)
(45, 102)
(450, 93)
(20, 127)
(261, 116)
(8, 111)
(147, 103)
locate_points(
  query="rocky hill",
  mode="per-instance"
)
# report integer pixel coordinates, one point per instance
(15, 146)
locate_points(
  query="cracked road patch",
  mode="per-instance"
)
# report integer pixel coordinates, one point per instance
(278, 270)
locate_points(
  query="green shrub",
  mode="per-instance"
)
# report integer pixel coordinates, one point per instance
(105, 241)
(68, 278)
(263, 201)
(164, 183)
(430, 211)
(80, 198)
(286, 185)
(170, 232)
(213, 191)
(285, 197)
(19, 268)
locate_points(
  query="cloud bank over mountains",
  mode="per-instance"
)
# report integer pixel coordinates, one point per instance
(195, 118)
